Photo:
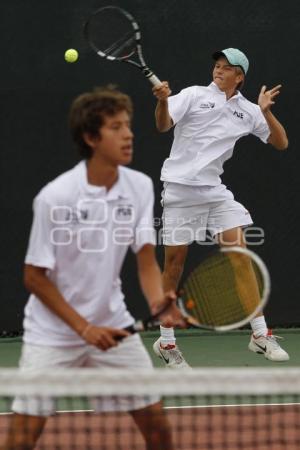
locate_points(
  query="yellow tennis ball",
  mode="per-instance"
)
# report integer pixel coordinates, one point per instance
(71, 55)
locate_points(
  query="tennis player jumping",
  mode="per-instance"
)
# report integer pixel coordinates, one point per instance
(84, 222)
(208, 121)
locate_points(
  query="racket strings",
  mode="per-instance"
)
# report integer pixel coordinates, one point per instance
(126, 42)
(222, 292)
(214, 293)
(111, 33)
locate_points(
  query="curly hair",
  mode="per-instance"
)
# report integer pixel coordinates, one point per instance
(88, 112)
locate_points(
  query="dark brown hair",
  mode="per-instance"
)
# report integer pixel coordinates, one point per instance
(88, 112)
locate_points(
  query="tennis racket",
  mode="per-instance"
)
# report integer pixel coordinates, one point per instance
(114, 34)
(224, 292)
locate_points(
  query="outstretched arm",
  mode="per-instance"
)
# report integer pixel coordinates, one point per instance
(163, 119)
(278, 137)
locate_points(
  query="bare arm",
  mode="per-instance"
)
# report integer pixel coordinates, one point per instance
(37, 282)
(151, 284)
(278, 137)
(162, 117)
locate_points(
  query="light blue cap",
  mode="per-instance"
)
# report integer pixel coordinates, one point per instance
(235, 57)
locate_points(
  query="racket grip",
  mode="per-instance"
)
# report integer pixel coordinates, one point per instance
(154, 80)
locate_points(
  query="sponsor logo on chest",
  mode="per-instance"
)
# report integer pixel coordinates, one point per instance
(207, 105)
(76, 216)
(124, 211)
(238, 114)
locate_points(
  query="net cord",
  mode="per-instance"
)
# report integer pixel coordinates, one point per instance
(206, 381)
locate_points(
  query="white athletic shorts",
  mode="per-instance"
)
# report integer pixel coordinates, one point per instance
(190, 211)
(129, 354)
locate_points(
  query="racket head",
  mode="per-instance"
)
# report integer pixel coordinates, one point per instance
(226, 291)
(112, 33)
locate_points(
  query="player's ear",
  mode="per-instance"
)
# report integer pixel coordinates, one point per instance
(240, 76)
(91, 139)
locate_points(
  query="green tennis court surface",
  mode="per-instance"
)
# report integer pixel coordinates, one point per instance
(209, 349)
(200, 348)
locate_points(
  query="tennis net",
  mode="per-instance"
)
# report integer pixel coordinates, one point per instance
(207, 409)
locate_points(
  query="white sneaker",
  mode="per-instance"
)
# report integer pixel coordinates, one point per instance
(269, 347)
(172, 357)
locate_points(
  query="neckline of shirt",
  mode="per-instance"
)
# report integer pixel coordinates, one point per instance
(116, 192)
(215, 88)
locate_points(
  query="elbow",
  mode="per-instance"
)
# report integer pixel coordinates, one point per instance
(162, 129)
(159, 127)
(282, 145)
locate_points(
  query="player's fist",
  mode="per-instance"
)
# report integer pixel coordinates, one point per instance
(162, 91)
(103, 337)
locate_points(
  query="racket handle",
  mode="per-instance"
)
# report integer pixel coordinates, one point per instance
(151, 77)
(154, 80)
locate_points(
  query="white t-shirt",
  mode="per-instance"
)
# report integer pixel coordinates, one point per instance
(207, 128)
(81, 234)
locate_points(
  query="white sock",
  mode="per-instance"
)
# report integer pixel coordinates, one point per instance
(259, 326)
(167, 336)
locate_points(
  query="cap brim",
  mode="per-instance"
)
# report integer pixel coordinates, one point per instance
(218, 55)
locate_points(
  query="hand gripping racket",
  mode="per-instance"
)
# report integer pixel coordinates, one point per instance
(114, 34)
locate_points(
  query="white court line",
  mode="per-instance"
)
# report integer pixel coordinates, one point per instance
(241, 405)
(246, 405)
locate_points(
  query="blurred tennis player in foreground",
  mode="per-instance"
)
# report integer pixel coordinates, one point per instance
(208, 121)
(84, 222)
